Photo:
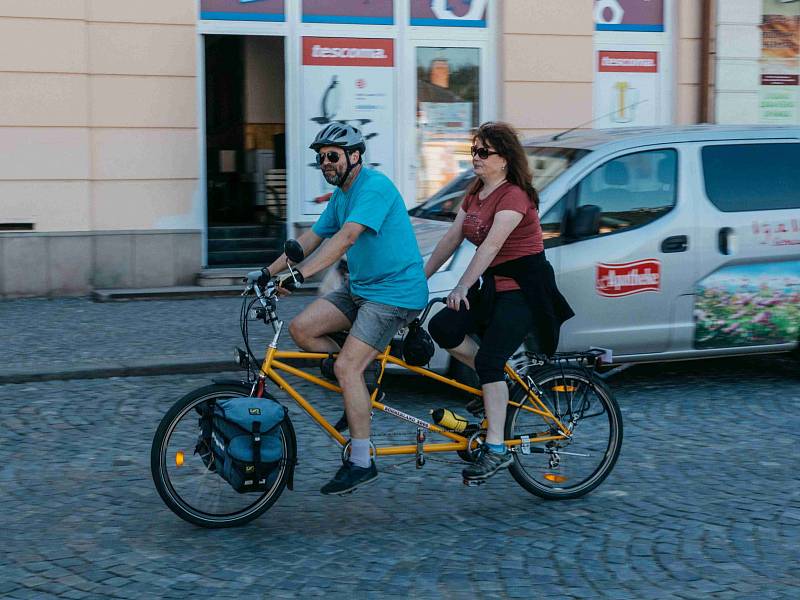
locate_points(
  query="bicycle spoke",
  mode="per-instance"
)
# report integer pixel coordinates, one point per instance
(189, 487)
(571, 466)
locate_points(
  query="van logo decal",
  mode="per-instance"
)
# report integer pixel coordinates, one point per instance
(623, 279)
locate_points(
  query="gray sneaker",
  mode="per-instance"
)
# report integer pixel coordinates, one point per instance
(488, 464)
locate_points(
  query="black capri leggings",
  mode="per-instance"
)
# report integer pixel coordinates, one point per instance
(510, 322)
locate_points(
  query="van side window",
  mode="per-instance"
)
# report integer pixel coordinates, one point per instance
(742, 177)
(632, 190)
(551, 224)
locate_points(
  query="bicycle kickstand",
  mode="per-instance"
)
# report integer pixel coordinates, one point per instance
(420, 453)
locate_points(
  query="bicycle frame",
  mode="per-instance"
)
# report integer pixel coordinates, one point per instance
(273, 364)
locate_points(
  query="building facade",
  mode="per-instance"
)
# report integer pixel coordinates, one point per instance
(145, 141)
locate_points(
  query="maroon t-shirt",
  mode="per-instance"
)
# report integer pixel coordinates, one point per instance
(524, 240)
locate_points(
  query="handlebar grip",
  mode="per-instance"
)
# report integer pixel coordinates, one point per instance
(287, 283)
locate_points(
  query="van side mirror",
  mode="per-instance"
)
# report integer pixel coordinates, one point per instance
(584, 222)
(294, 251)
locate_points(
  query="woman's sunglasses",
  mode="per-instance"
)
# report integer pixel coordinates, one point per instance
(482, 153)
(333, 157)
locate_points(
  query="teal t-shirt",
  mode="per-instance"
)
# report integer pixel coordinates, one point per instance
(385, 263)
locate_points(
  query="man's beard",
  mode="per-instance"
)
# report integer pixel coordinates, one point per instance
(331, 176)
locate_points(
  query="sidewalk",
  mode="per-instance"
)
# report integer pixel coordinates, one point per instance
(75, 338)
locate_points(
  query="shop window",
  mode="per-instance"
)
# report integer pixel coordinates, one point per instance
(744, 177)
(448, 110)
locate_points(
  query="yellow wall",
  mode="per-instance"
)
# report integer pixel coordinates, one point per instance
(546, 64)
(98, 115)
(688, 61)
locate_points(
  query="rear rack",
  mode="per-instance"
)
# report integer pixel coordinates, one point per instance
(585, 358)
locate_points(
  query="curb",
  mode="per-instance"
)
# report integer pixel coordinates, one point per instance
(180, 293)
(133, 370)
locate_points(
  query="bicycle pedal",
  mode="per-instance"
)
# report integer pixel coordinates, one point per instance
(474, 482)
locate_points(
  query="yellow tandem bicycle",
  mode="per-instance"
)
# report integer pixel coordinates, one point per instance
(563, 425)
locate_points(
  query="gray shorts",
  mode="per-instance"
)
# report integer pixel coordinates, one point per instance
(373, 323)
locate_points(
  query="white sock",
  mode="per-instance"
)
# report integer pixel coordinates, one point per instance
(359, 452)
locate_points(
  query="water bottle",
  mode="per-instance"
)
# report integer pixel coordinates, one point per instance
(447, 419)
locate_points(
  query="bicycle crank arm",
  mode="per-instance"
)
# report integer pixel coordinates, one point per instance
(538, 450)
(562, 452)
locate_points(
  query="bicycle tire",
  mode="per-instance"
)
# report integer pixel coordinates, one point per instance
(554, 484)
(167, 484)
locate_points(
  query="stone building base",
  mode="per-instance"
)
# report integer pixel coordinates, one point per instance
(75, 263)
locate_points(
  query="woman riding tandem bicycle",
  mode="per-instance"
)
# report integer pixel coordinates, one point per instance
(507, 290)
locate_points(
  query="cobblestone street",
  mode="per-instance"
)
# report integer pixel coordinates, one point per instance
(704, 502)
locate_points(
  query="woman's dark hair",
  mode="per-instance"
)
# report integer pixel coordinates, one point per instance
(503, 138)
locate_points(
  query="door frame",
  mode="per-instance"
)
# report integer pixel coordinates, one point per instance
(405, 37)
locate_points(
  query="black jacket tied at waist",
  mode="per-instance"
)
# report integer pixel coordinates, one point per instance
(536, 279)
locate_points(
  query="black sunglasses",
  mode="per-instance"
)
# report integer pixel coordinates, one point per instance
(482, 153)
(333, 157)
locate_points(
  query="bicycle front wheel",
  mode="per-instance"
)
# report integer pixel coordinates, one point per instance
(565, 468)
(185, 483)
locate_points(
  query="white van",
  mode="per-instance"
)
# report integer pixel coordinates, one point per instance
(669, 243)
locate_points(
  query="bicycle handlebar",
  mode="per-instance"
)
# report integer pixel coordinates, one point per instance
(424, 314)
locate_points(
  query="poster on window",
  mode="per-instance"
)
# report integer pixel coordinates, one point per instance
(779, 90)
(360, 12)
(449, 13)
(350, 80)
(626, 88)
(242, 10)
(629, 15)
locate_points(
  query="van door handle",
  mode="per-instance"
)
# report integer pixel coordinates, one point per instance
(675, 243)
(724, 236)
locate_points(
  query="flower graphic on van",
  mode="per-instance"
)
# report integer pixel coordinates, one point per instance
(748, 305)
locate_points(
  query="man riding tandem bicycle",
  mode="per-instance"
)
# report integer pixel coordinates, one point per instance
(223, 454)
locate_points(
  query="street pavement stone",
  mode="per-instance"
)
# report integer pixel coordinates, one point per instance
(703, 502)
(65, 333)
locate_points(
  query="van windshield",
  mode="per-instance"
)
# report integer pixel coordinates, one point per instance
(546, 164)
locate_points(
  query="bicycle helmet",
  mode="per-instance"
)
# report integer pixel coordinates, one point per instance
(418, 346)
(344, 136)
(339, 134)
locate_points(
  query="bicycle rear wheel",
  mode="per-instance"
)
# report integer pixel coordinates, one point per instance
(187, 486)
(568, 468)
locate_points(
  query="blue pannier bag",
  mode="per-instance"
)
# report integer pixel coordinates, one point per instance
(240, 440)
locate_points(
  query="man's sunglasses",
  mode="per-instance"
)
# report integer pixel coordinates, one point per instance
(482, 153)
(333, 157)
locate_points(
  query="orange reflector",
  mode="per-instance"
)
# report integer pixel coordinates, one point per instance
(564, 388)
(555, 478)
(179, 458)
